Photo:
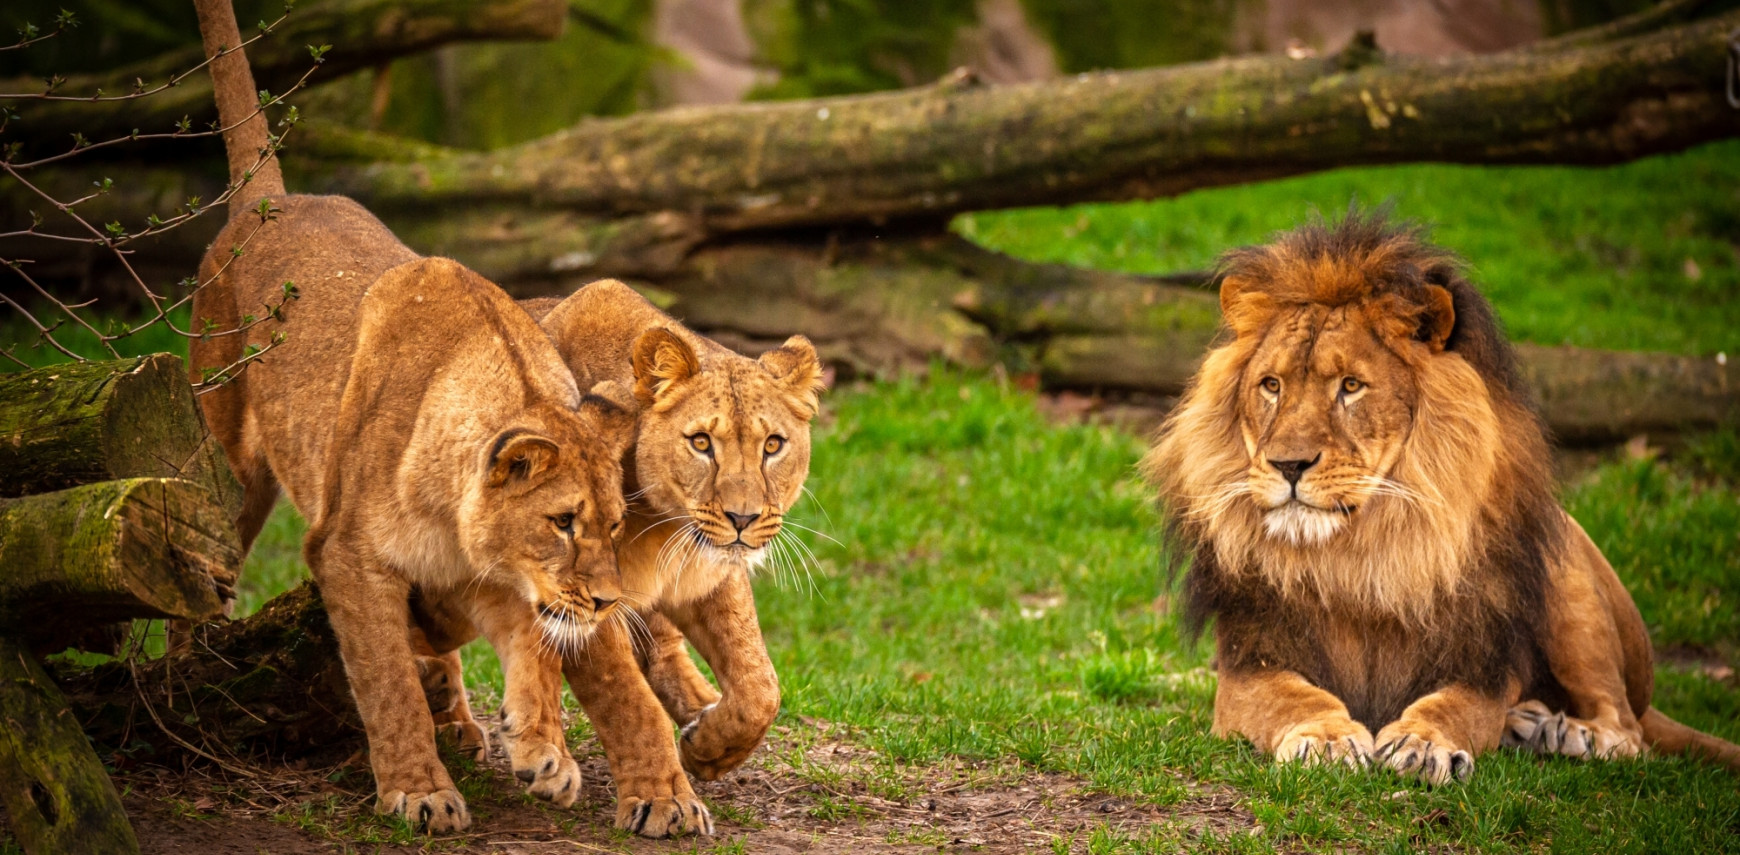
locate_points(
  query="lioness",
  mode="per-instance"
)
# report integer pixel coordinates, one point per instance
(431, 435)
(720, 454)
(1366, 497)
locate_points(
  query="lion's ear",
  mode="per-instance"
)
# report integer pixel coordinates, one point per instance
(519, 456)
(796, 363)
(661, 361)
(613, 412)
(1437, 318)
(1244, 309)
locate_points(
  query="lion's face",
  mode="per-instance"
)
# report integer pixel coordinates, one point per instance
(724, 448)
(1324, 410)
(549, 512)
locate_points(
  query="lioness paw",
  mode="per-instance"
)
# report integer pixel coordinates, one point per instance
(1416, 751)
(439, 812)
(1532, 726)
(664, 816)
(1325, 741)
(708, 755)
(465, 737)
(549, 773)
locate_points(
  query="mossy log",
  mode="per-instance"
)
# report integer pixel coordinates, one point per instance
(58, 798)
(363, 34)
(114, 551)
(273, 683)
(957, 146)
(77, 423)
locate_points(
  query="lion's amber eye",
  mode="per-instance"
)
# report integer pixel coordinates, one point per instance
(615, 529)
(773, 444)
(1272, 385)
(564, 522)
(701, 442)
(1350, 385)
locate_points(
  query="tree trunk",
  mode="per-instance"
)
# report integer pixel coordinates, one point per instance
(956, 146)
(273, 683)
(114, 551)
(77, 423)
(57, 796)
(362, 33)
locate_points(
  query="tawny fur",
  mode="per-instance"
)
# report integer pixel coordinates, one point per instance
(1419, 580)
(439, 448)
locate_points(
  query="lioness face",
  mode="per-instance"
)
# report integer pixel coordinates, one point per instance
(727, 447)
(1325, 410)
(550, 513)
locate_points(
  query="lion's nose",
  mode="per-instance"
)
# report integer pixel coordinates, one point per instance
(1293, 470)
(742, 521)
(600, 605)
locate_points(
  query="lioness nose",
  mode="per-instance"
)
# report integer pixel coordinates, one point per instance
(600, 605)
(742, 521)
(1293, 470)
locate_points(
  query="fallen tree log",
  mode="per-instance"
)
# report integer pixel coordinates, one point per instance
(362, 34)
(927, 153)
(113, 551)
(77, 423)
(58, 798)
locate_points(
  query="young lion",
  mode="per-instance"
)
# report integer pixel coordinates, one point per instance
(720, 454)
(1367, 497)
(439, 448)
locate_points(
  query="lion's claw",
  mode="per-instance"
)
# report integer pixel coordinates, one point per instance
(1532, 726)
(1323, 742)
(438, 812)
(664, 817)
(1435, 762)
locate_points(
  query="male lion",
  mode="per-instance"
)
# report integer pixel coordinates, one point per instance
(431, 435)
(1367, 497)
(720, 454)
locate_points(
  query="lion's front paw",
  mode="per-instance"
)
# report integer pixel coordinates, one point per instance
(709, 755)
(1326, 740)
(547, 771)
(465, 737)
(439, 812)
(1418, 750)
(664, 816)
(1532, 726)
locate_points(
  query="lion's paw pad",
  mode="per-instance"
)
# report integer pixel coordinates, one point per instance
(664, 817)
(439, 812)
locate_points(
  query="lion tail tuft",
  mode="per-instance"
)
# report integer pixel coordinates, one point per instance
(1670, 737)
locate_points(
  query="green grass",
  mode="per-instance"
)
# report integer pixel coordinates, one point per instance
(1591, 257)
(992, 597)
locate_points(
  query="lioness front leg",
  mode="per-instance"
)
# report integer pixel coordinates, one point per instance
(724, 629)
(1284, 715)
(653, 796)
(1439, 735)
(679, 685)
(531, 707)
(368, 609)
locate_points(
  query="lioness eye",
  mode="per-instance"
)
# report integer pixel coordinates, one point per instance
(1350, 385)
(615, 529)
(774, 444)
(1272, 385)
(701, 442)
(564, 522)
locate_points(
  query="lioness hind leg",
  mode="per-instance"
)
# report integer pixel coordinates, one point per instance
(1285, 716)
(443, 678)
(1532, 726)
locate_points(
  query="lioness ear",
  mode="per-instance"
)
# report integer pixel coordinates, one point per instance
(519, 456)
(614, 412)
(1437, 318)
(795, 362)
(1245, 310)
(661, 360)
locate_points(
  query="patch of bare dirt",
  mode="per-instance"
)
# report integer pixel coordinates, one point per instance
(808, 791)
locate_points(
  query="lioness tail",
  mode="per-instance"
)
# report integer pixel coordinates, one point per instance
(1670, 737)
(245, 135)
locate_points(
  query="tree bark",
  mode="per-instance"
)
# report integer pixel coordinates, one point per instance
(78, 423)
(956, 146)
(362, 33)
(113, 551)
(57, 796)
(272, 683)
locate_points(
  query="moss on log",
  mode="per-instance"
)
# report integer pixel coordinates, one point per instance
(57, 796)
(76, 423)
(958, 146)
(272, 683)
(111, 551)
